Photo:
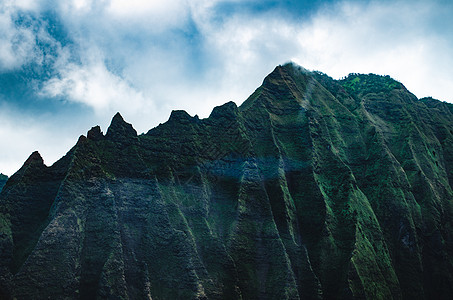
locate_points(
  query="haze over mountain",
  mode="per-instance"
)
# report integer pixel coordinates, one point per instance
(313, 188)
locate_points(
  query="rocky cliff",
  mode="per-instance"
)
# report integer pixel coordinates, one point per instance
(312, 189)
(3, 179)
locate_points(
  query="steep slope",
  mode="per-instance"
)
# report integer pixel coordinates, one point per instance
(3, 179)
(312, 189)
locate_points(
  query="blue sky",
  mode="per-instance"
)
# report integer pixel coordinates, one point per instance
(68, 65)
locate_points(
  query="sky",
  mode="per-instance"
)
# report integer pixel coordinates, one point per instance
(66, 66)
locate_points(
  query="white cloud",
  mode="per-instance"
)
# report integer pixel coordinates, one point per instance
(144, 58)
(380, 38)
(81, 4)
(146, 51)
(26, 5)
(96, 87)
(21, 134)
(17, 44)
(162, 13)
(124, 56)
(23, 42)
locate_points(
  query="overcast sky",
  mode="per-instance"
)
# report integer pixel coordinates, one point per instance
(66, 66)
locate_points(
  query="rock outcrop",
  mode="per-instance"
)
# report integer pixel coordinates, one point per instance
(312, 189)
(3, 179)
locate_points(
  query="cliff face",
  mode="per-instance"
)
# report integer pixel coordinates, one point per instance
(312, 188)
(3, 179)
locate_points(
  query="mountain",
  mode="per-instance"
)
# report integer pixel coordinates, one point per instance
(313, 188)
(3, 179)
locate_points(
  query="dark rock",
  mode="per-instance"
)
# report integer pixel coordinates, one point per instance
(179, 116)
(313, 188)
(95, 134)
(3, 180)
(34, 159)
(228, 110)
(120, 131)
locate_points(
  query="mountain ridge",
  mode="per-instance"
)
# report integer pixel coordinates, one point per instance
(3, 179)
(313, 188)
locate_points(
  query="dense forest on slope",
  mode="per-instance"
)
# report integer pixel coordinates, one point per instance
(313, 188)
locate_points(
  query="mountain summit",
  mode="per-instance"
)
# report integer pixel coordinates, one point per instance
(313, 188)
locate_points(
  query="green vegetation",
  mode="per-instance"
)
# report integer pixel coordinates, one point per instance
(360, 84)
(313, 188)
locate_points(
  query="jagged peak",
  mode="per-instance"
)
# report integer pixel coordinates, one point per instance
(294, 67)
(34, 159)
(227, 110)
(118, 117)
(81, 140)
(95, 133)
(120, 129)
(275, 73)
(287, 70)
(287, 81)
(177, 115)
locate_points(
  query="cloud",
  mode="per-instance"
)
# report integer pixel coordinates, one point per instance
(161, 14)
(374, 37)
(145, 58)
(25, 37)
(94, 85)
(17, 43)
(150, 50)
(21, 134)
